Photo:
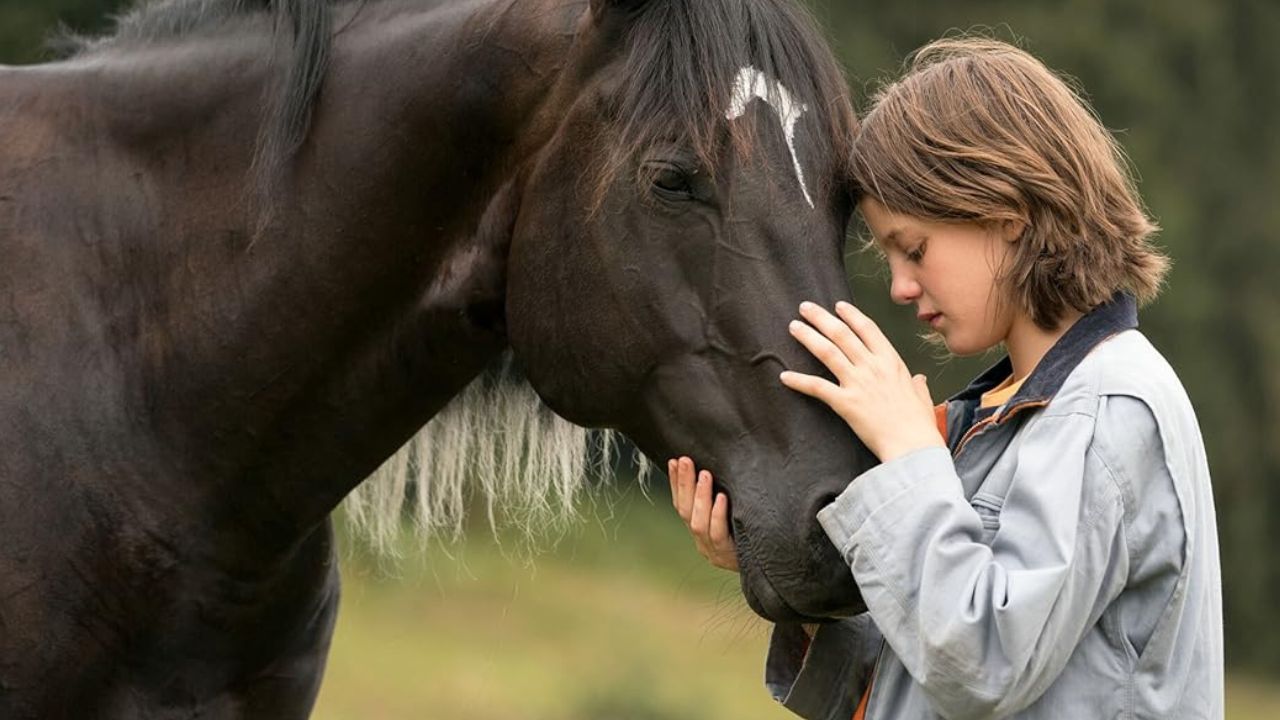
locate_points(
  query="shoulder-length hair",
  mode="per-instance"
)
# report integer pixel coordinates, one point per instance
(980, 131)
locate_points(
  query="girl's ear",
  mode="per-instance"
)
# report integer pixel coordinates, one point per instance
(1012, 230)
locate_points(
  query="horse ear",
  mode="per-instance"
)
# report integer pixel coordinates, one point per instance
(600, 9)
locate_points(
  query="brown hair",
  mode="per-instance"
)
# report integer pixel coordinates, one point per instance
(980, 131)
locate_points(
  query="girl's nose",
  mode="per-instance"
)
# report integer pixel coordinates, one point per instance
(903, 289)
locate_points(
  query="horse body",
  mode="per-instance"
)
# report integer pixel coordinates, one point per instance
(165, 473)
(195, 375)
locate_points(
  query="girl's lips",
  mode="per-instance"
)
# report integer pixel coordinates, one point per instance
(930, 318)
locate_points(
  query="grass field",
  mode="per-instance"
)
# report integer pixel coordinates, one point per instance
(621, 620)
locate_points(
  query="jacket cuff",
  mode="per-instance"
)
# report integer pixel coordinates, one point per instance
(879, 486)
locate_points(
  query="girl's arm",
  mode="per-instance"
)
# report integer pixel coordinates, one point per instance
(985, 629)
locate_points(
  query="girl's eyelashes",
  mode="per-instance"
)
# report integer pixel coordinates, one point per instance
(917, 254)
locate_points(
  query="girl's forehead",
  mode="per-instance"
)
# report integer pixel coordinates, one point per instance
(888, 226)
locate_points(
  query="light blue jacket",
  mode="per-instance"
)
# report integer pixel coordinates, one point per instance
(1061, 561)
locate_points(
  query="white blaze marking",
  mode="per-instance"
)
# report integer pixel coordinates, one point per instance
(751, 84)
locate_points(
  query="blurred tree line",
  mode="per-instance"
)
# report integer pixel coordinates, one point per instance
(1192, 89)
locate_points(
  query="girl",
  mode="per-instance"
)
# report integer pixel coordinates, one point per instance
(1042, 545)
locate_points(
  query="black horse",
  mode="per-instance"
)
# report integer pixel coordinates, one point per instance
(248, 249)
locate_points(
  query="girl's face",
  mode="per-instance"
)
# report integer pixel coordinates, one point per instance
(949, 271)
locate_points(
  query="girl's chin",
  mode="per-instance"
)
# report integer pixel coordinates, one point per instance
(954, 344)
(957, 345)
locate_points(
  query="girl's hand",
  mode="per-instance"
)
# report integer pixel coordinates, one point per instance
(888, 408)
(707, 521)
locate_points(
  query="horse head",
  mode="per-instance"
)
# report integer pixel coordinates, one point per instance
(691, 195)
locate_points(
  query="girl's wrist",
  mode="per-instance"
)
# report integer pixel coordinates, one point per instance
(898, 450)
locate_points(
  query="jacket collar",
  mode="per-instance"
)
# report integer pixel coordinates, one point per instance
(1118, 314)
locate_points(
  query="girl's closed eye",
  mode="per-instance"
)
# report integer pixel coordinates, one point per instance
(917, 254)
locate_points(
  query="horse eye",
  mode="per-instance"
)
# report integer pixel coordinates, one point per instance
(672, 182)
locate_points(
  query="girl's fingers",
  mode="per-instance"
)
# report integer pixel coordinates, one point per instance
(707, 518)
(811, 385)
(720, 539)
(671, 479)
(723, 552)
(837, 330)
(700, 519)
(867, 330)
(921, 384)
(684, 488)
(820, 347)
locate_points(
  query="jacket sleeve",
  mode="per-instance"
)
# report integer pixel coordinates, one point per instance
(984, 629)
(824, 677)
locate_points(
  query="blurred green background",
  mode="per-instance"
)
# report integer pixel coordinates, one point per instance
(622, 620)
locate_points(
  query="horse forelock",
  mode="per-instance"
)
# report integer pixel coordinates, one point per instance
(682, 65)
(496, 446)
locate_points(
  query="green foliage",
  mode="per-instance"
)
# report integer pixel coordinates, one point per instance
(1190, 87)
(26, 25)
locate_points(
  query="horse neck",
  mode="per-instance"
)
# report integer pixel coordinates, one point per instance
(421, 164)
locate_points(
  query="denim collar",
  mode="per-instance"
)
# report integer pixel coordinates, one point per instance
(1118, 314)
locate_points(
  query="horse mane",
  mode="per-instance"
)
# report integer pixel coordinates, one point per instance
(496, 444)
